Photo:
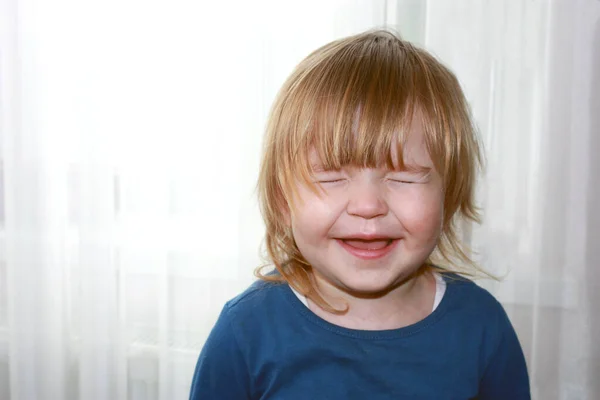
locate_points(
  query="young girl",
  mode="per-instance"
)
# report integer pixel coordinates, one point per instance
(369, 165)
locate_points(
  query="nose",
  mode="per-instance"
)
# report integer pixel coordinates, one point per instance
(367, 201)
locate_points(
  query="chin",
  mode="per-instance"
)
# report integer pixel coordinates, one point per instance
(373, 282)
(369, 286)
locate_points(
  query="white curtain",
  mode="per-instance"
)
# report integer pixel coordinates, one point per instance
(129, 145)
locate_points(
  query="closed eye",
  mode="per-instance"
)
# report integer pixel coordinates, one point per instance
(402, 181)
(330, 180)
(409, 178)
(329, 177)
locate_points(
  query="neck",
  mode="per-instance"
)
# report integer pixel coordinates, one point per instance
(404, 305)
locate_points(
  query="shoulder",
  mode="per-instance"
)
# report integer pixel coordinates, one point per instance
(470, 296)
(475, 307)
(259, 317)
(222, 370)
(250, 315)
(248, 311)
(503, 366)
(502, 358)
(257, 294)
(260, 300)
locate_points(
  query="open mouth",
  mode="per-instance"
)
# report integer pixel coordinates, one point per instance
(377, 244)
(368, 249)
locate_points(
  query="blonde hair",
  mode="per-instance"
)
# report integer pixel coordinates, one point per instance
(351, 101)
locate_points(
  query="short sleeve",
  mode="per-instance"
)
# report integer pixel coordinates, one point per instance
(221, 372)
(505, 376)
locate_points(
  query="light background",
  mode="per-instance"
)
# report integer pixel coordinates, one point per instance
(130, 135)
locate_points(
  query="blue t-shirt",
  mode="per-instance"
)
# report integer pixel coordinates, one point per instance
(267, 344)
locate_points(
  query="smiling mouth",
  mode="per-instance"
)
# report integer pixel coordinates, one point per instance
(362, 244)
(368, 249)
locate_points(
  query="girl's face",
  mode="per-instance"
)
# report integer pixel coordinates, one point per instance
(370, 228)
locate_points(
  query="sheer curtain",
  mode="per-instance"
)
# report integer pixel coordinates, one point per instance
(129, 144)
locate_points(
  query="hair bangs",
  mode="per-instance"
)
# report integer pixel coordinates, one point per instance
(360, 108)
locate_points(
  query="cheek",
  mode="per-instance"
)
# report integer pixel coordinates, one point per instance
(422, 213)
(314, 207)
(312, 216)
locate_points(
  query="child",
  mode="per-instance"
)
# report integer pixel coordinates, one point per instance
(370, 162)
